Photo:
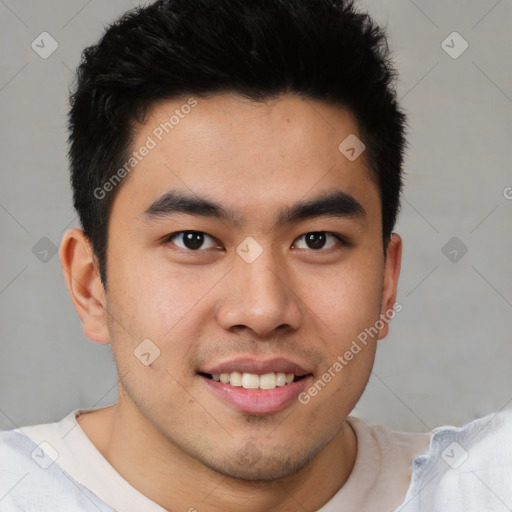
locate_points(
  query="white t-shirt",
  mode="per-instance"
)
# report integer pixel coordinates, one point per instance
(54, 466)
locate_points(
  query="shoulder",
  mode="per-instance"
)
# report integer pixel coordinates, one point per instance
(481, 444)
(467, 468)
(18, 469)
(30, 479)
(14, 448)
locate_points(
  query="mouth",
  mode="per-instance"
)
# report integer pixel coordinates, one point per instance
(256, 387)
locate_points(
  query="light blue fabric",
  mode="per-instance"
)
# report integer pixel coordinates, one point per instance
(467, 469)
(25, 486)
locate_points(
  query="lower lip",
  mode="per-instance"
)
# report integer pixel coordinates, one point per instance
(258, 401)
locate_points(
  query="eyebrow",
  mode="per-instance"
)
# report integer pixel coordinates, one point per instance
(330, 204)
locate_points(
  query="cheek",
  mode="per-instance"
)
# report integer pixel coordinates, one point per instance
(159, 302)
(153, 293)
(346, 299)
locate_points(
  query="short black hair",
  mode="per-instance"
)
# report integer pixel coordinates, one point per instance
(327, 50)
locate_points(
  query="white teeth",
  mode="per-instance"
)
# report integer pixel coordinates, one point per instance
(235, 379)
(268, 381)
(280, 379)
(250, 381)
(253, 381)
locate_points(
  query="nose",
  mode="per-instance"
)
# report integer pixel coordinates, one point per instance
(259, 296)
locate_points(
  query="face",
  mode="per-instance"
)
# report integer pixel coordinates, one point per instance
(253, 286)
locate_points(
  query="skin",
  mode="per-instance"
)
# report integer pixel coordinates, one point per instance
(188, 448)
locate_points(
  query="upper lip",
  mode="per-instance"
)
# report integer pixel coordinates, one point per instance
(252, 365)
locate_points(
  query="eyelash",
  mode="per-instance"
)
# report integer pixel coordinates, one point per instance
(341, 240)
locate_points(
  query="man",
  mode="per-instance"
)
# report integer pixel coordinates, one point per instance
(236, 166)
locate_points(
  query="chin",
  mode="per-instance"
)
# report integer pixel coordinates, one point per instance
(250, 464)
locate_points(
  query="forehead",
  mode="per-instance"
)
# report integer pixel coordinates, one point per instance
(253, 157)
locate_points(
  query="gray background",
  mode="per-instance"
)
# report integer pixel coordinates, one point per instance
(448, 356)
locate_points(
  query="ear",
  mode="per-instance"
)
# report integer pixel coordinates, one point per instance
(390, 283)
(81, 272)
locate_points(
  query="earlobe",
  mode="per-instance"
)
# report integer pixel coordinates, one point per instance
(83, 281)
(390, 283)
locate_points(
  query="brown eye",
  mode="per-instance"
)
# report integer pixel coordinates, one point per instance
(316, 240)
(190, 240)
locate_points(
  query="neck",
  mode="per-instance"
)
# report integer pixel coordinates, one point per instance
(170, 477)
